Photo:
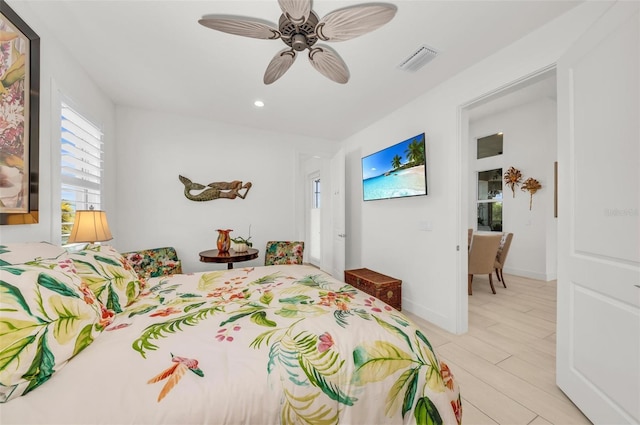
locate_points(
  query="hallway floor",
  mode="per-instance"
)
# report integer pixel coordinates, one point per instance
(505, 364)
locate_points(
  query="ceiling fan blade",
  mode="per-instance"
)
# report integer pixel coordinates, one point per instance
(350, 22)
(296, 10)
(280, 63)
(329, 63)
(246, 27)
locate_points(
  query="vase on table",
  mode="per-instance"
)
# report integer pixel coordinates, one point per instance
(224, 240)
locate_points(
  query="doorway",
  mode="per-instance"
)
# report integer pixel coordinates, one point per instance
(524, 117)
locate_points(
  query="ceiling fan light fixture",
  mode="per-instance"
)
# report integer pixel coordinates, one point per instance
(299, 42)
(299, 28)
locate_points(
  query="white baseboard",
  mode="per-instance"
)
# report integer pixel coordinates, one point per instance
(428, 315)
(531, 275)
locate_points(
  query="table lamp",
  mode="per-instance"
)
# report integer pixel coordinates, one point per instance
(90, 226)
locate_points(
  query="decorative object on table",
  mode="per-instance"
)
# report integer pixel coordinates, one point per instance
(224, 240)
(216, 190)
(300, 28)
(512, 178)
(19, 97)
(532, 186)
(241, 244)
(90, 226)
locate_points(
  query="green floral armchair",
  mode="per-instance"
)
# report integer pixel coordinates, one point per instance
(284, 252)
(154, 262)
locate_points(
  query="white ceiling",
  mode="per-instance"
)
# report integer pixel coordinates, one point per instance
(153, 54)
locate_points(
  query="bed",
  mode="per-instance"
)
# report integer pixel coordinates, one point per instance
(85, 340)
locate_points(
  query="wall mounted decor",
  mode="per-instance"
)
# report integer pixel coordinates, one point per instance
(512, 178)
(19, 135)
(216, 190)
(532, 186)
(396, 171)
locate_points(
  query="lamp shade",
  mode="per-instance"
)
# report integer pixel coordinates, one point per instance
(90, 226)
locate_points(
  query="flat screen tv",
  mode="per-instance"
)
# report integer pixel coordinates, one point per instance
(396, 172)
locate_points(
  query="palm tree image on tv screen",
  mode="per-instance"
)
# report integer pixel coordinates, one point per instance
(396, 172)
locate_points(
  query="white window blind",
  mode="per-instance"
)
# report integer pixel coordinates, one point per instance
(81, 166)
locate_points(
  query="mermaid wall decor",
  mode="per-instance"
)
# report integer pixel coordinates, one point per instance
(216, 190)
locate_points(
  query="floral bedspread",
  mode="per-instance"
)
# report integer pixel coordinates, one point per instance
(265, 345)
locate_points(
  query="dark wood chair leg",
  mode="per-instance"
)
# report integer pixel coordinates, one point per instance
(502, 279)
(470, 280)
(491, 283)
(498, 274)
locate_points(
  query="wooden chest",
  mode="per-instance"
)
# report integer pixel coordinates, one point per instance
(385, 288)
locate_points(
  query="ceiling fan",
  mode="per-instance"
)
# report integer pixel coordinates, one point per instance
(300, 28)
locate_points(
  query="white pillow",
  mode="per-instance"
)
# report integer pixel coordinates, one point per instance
(24, 252)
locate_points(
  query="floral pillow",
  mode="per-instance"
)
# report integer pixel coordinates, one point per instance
(154, 262)
(22, 252)
(109, 275)
(47, 316)
(284, 252)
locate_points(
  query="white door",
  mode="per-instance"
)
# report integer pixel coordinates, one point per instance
(338, 215)
(598, 327)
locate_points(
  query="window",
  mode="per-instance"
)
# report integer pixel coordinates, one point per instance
(315, 221)
(81, 166)
(490, 200)
(490, 146)
(316, 193)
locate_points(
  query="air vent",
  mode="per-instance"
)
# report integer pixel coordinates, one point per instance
(418, 59)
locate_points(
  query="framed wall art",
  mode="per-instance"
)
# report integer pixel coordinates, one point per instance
(19, 135)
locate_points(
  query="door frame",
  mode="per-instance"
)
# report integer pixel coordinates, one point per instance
(462, 303)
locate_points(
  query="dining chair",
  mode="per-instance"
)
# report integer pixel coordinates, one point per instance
(283, 252)
(482, 257)
(501, 257)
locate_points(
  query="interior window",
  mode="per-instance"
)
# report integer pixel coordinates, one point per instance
(490, 145)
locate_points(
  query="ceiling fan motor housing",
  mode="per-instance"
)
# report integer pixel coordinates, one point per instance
(299, 37)
(299, 42)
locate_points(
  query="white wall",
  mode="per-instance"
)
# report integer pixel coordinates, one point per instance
(154, 148)
(530, 146)
(385, 235)
(59, 72)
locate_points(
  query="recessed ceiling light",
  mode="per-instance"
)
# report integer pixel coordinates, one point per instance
(258, 104)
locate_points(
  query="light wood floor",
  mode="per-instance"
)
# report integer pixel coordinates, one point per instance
(505, 364)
